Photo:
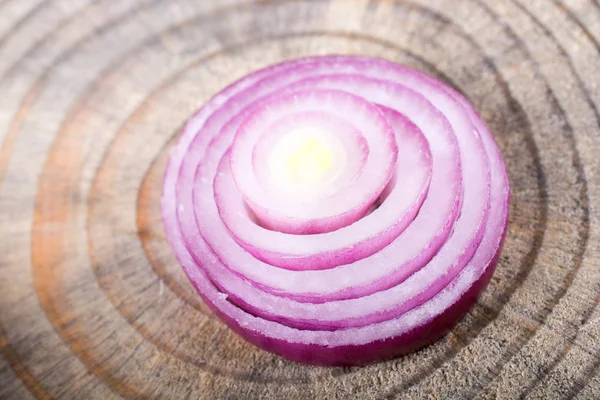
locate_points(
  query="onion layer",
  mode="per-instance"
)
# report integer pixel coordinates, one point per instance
(306, 204)
(337, 210)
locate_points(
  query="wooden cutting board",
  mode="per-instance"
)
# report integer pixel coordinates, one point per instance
(92, 96)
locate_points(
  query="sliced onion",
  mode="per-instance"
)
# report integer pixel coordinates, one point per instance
(380, 286)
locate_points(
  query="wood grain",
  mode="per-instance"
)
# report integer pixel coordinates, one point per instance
(93, 94)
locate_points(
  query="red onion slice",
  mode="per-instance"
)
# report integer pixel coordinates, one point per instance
(404, 305)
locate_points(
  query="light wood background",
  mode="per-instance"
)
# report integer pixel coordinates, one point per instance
(92, 94)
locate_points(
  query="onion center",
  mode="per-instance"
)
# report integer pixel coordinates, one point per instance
(306, 157)
(312, 161)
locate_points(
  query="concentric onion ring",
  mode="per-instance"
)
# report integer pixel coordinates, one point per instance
(331, 203)
(378, 273)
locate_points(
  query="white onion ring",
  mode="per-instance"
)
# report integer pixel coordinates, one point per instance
(356, 298)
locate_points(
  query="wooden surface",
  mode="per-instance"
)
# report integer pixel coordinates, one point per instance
(92, 95)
